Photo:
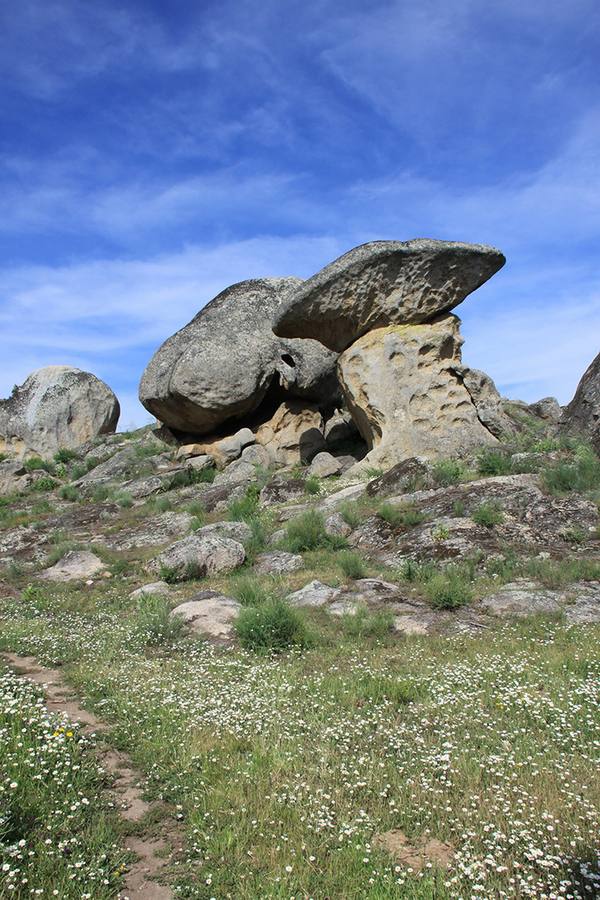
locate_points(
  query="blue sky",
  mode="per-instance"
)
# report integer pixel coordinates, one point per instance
(153, 153)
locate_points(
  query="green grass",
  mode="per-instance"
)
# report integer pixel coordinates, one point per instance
(494, 462)
(64, 455)
(307, 532)
(448, 590)
(250, 589)
(284, 766)
(448, 471)
(351, 564)
(57, 834)
(155, 624)
(488, 514)
(580, 474)
(272, 627)
(246, 508)
(397, 516)
(69, 492)
(312, 485)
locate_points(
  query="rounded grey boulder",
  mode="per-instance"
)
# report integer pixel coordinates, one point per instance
(384, 283)
(56, 407)
(221, 365)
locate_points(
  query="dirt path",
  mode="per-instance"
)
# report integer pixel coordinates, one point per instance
(131, 805)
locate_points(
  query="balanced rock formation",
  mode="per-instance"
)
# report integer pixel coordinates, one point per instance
(583, 412)
(220, 367)
(384, 283)
(55, 407)
(402, 388)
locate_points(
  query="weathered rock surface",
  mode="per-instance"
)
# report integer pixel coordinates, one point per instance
(294, 433)
(410, 474)
(221, 365)
(547, 408)
(583, 412)
(202, 554)
(210, 614)
(278, 562)
(219, 450)
(155, 589)
(487, 400)
(56, 407)
(159, 529)
(324, 465)
(579, 603)
(384, 283)
(281, 489)
(315, 593)
(531, 522)
(402, 388)
(76, 565)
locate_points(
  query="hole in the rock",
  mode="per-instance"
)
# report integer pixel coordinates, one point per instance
(288, 359)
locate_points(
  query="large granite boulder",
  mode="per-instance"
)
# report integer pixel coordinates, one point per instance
(56, 407)
(583, 412)
(402, 388)
(384, 283)
(220, 367)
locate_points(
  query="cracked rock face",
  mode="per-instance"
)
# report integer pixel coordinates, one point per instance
(384, 283)
(57, 407)
(221, 365)
(402, 388)
(583, 412)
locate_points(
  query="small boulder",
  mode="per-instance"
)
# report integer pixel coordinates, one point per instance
(337, 526)
(76, 565)
(278, 562)
(294, 433)
(324, 465)
(548, 408)
(56, 407)
(315, 593)
(202, 554)
(409, 475)
(156, 589)
(210, 614)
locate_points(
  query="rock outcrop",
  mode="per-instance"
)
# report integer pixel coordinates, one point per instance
(402, 388)
(384, 283)
(583, 412)
(226, 362)
(56, 407)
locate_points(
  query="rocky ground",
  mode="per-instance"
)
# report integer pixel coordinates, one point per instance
(342, 685)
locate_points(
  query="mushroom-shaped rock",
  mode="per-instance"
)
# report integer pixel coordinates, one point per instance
(221, 365)
(402, 388)
(57, 407)
(384, 283)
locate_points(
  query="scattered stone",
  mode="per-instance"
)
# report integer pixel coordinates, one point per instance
(236, 472)
(336, 525)
(340, 430)
(237, 531)
(156, 589)
(315, 593)
(401, 386)
(411, 474)
(210, 614)
(201, 554)
(278, 562)
(56, 407)
(258, 456)
(281, 489)
(76, 565)
(324, 465)
(220, 367)
(224, 450)
(583, 603)
(384, 283)
(201, 463)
